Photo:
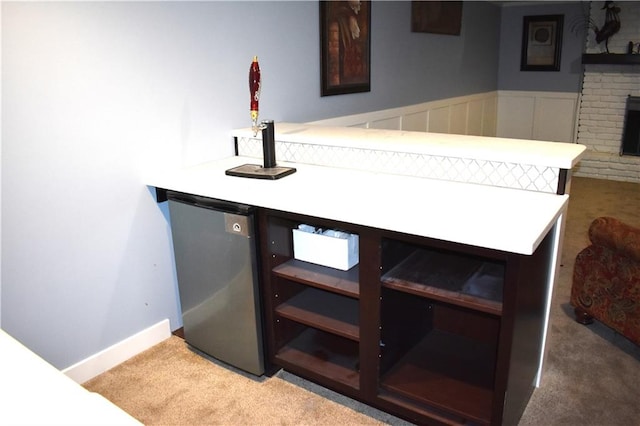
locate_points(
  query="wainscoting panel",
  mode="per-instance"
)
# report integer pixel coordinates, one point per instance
(556, 118)
(474, 118)
(458, 119)
(439, 120)
(547, 116)
(416, 122)
(391, 123)
(515, 116)
(490, 116)
(471, 115)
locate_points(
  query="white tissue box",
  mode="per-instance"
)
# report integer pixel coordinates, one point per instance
(339, 253)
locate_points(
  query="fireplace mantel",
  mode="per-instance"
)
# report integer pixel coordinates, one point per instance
(611, 58)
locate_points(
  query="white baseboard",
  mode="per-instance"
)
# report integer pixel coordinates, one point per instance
(118, 353)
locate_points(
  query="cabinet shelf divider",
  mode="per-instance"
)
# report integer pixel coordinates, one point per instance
(443, 277)
(325, 311)
(335, 280)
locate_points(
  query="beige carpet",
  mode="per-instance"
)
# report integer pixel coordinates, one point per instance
(592, 374)
(171, 385)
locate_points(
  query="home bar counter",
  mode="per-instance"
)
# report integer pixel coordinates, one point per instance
(444, 319)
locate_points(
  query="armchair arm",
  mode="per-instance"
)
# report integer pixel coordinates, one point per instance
(618, 236)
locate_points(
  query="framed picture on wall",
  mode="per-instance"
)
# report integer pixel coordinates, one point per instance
(541, 43)
(438, 17)
(345, 38)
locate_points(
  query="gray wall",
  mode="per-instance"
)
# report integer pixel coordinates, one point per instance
(569, 78)
(96, 94)
(409, 68)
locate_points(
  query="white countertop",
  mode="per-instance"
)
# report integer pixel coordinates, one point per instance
(551, 154)
(497, 218)
(33, 392)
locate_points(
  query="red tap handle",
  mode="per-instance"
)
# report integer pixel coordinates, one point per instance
(254, 88)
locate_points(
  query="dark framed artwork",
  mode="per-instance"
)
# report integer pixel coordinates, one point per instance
(345, 51)
(439, 17)
(541, 43)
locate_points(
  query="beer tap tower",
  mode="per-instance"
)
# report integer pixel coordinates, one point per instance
(269, 169)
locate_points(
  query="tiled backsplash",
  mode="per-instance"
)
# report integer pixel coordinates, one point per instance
(467, 170)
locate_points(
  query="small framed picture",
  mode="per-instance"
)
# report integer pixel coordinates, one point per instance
(438, 17)
(541, 43)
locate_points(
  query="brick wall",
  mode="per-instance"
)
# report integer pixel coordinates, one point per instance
(602, 109)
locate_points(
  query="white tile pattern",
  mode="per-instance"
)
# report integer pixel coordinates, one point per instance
(467, 170)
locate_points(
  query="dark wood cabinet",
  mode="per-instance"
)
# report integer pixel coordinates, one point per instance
(430, 331)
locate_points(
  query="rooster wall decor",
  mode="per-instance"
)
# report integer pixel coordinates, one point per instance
(611, 24)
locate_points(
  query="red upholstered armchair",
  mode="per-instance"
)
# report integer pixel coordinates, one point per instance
(606, 278)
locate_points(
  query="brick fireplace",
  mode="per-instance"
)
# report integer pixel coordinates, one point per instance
(605, 90)
(631, 132)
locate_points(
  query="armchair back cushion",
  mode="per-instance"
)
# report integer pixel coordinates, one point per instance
(616, 236)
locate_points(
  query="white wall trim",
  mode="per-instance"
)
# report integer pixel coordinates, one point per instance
(547, 116)
(470, 115)
(118, 353)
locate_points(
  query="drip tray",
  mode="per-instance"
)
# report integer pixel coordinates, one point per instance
(256, 171)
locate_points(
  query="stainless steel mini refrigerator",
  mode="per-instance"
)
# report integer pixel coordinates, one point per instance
(216, 261)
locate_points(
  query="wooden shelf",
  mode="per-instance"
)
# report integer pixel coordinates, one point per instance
(417, 329)
(335, 280)
(459, 280)
(611, 58)
(323, 310)
(449, 372)
(330, 356)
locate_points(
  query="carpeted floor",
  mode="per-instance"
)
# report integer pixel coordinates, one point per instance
(592, 375)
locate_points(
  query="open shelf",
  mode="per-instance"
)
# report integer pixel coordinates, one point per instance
(324, 354)
(456, 279)
(447, 371)
(323, 310)
(342, 282)
(424, 337)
